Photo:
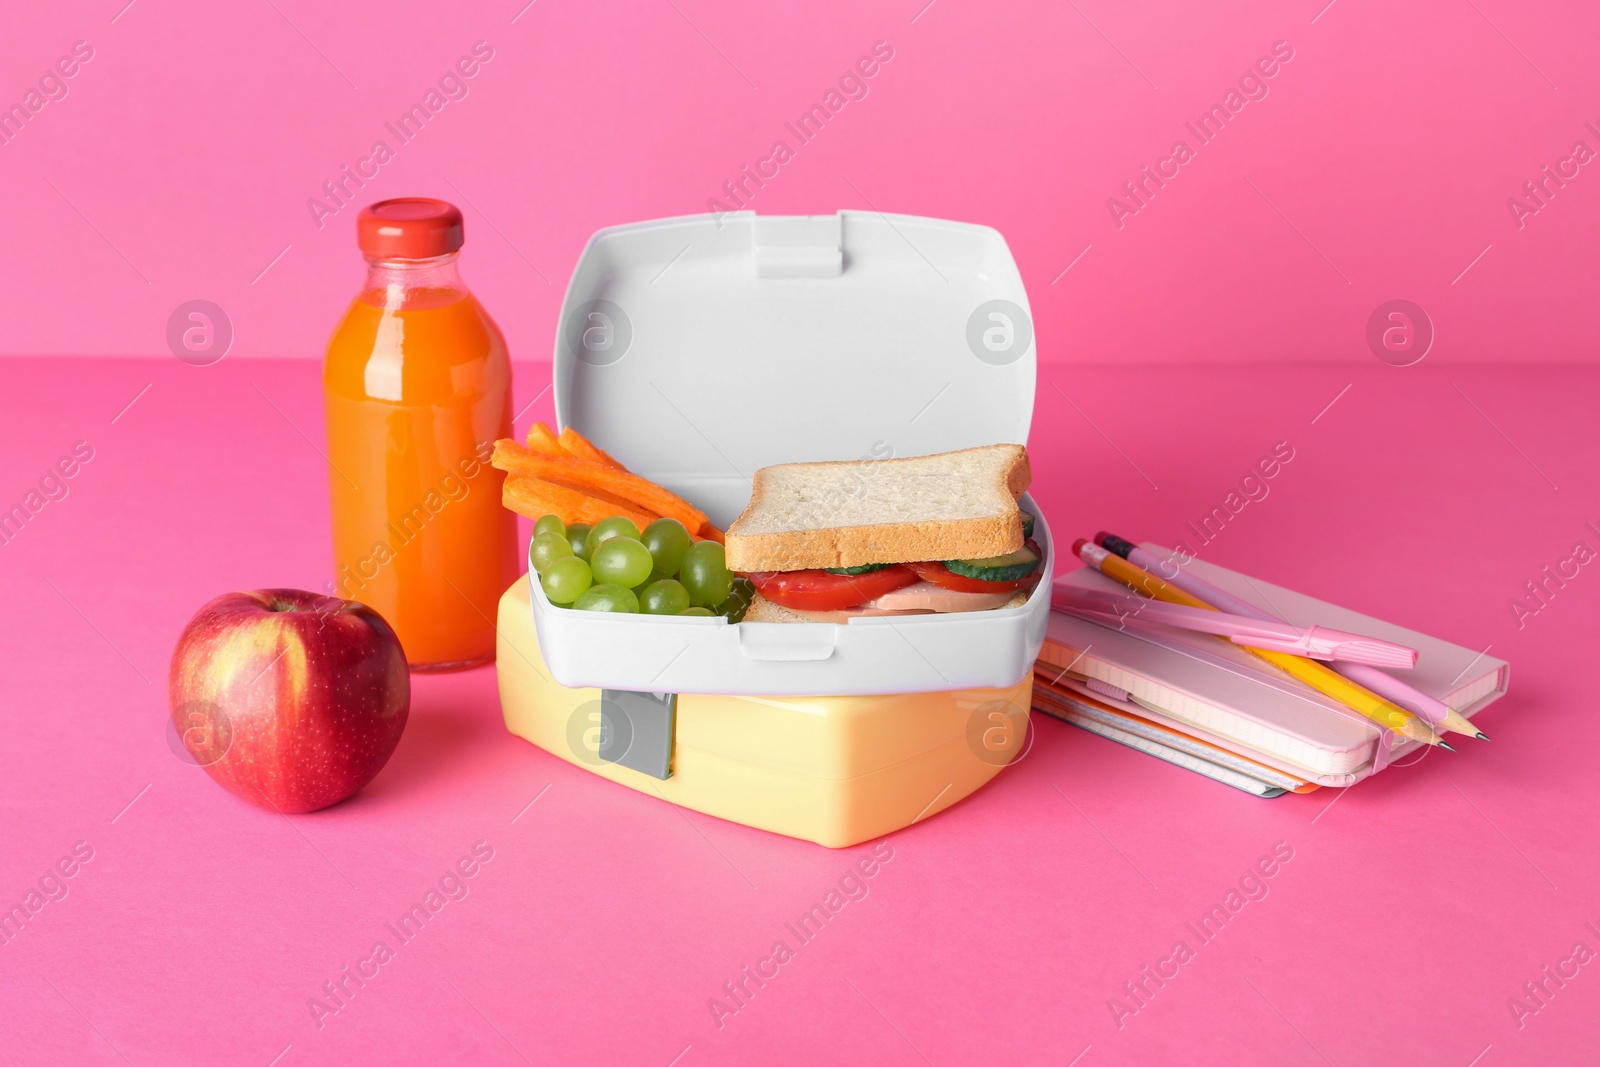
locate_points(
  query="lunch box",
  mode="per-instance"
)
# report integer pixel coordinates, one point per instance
(696, 350)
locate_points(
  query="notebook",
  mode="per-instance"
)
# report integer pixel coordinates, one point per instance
(1089, 712)
(1217, 692)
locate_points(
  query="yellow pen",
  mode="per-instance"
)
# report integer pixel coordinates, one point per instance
(1385, 713)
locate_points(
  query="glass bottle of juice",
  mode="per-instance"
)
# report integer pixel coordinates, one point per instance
(417, 387)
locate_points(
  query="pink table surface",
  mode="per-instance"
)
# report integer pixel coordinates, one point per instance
(1411, 910)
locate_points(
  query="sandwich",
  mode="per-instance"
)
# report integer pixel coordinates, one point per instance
(827, 542)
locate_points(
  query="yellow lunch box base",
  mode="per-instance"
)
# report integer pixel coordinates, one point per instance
(837, 770)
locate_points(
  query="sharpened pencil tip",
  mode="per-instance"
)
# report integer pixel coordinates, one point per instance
(1447, 746)
(1482, 736)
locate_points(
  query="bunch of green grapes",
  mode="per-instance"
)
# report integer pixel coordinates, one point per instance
(612, 566)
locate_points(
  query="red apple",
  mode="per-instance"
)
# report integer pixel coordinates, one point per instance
(289, 699)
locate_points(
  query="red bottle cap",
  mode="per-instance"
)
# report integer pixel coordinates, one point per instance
(409, 227)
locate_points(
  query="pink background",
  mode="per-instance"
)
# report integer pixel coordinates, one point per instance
(1378, 167)
(1415, 905)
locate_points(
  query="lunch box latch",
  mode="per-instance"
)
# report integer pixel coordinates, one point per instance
(798, 246)
(781, 642)
(637, 730)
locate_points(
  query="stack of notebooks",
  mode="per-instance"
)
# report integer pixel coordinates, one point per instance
(1209, 706)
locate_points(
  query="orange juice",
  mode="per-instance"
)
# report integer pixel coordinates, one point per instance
(417, 387)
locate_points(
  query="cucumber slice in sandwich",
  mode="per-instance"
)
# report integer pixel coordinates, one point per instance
(1006, 568)
(1027, 525)
(865, 568)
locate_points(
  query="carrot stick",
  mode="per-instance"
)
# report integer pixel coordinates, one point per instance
(514, 459)
(535, 498)
(709, 532)
(540, 439)
(595, 479)
(577, 445)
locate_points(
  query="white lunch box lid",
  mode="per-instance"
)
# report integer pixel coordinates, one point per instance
(698, 349)
(690, 347)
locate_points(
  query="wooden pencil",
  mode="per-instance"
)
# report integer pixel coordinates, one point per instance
(1385, 713)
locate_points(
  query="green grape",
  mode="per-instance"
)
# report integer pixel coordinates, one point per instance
(578, 538)
(615, 526)
(550, 524)
(740, 596)
(705, 574)
(667, 540)
(621, 561)
(546, 549)
(705, 612)
(608, 598)
(664, 597)
(566, 579)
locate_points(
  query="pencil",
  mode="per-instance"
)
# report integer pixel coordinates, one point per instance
(1385, 713)
(1458, 723)
(1436, 713)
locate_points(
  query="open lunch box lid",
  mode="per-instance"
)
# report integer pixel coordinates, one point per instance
(698, 349)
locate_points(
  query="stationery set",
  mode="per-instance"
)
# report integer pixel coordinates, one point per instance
(1253, 685)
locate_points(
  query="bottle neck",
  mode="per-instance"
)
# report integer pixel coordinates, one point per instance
(408, 283)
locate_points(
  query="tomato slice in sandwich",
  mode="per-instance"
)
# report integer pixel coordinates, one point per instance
(817, 590)
(942, 576)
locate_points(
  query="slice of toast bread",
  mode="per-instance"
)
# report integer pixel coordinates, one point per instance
(763, 610)
(953, 505)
